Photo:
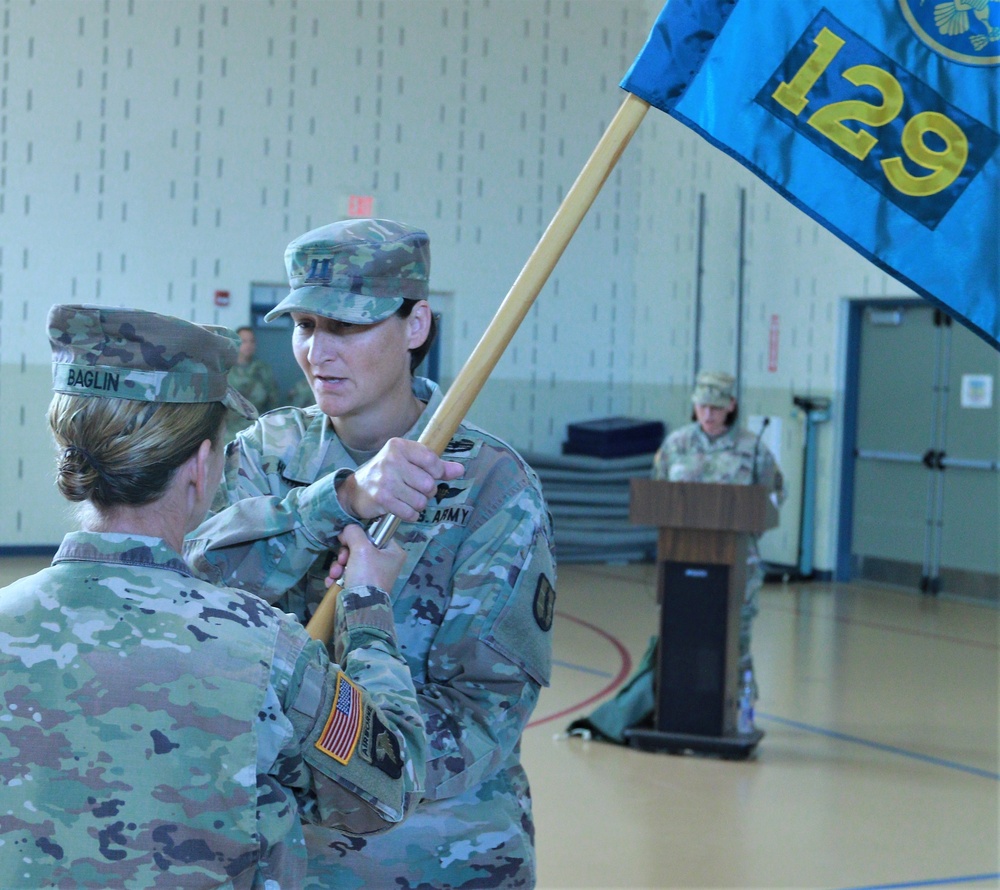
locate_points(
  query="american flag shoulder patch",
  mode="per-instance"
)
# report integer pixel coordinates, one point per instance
(343, 726)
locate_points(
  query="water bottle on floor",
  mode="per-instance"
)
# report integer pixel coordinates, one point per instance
(744, 715)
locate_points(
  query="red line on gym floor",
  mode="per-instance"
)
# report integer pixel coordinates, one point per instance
(623, 671)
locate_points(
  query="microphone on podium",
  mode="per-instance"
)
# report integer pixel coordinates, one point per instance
(756, 449)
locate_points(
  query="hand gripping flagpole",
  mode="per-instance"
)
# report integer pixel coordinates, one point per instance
(474, 374)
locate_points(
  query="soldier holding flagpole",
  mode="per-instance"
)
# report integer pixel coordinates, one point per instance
(474, 603)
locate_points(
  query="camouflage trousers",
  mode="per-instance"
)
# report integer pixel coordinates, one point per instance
(748, 611)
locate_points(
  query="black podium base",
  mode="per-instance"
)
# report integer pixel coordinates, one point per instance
(735, 747)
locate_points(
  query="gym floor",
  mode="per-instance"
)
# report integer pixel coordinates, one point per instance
(879, 767)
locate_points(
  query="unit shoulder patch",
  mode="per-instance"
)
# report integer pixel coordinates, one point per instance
(545, 603)
(379, 745)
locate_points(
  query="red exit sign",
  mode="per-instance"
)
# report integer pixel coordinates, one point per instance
(360, 205)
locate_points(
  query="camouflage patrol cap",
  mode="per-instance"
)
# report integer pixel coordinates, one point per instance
(142, 356)
(715, 388)
(356, 270)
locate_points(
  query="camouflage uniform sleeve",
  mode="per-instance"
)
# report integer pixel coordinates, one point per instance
(356, 758)
(271, 399)
(665, 456)
(661, 460)
(493, 652)
(259, 541)
(769, 474)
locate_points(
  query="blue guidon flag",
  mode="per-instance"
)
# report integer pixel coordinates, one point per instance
(878, 118)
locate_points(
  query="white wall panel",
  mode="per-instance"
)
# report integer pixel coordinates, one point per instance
(155, 151)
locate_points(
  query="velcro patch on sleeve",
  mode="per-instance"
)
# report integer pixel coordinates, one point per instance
(343, 726)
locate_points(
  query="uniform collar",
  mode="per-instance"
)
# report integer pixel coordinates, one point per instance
(116, 548)
(319, 444)
(723, 440)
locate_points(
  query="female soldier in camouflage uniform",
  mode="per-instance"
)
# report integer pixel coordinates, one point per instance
(157, 731)
(714, 449)
(474, 604)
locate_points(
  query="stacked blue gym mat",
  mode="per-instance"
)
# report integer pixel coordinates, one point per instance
(587, 489)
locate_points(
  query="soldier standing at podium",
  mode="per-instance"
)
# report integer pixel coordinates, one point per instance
(714, 449)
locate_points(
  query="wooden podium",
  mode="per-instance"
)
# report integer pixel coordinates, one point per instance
(701, 556)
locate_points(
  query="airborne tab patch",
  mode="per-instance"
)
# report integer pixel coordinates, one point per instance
(343, 726)
(379, 746)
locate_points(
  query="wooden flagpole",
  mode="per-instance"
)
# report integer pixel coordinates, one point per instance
(474, 374)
